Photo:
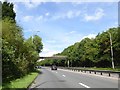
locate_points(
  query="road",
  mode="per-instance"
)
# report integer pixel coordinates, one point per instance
(67, 79)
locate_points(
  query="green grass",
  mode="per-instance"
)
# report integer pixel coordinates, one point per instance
(0, 87)
(21, 82)
(111, 69)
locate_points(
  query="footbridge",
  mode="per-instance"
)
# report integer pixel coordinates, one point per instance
(56, 57)
(53, 57)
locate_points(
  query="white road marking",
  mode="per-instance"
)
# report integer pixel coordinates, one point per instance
(84, 85)
(63, 75)
(56, 72)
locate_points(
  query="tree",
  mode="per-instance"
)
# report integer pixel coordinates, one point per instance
(0, 10)
(11, 38)
(95, 52)
(37, 41)
(7, 11)
(19, 56)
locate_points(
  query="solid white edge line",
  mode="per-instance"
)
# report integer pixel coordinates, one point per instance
(84, 85)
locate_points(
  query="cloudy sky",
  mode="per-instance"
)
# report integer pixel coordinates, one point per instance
(61, 24)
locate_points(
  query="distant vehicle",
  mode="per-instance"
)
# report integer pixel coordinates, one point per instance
(38, 67)
(53, 67)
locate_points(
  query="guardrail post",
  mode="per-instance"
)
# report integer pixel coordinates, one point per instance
(100, 72)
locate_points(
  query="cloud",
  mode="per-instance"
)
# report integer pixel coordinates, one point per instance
(43, 17)
(65, 41)
(47, 14)
(62, 0)
(57, 43)
(51, 41)
(76, 3)
(71, 37)
(25, 31)
(15, 8)
(90, 36)
(69, 14)
(27, 18)
(116, 23)
(32, 4)
(48, 52)
(72, 32)
(39, 18)
(99, 13)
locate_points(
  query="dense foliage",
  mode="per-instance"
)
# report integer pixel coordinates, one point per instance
(7, 11)
(19, 56)
(95, 52)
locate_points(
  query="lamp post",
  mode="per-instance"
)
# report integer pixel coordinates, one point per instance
(34, 34)
(68, 63)
(111, 50)
(68, 59)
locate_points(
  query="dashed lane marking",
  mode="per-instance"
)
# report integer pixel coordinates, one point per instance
(63, 75)
(84, 85)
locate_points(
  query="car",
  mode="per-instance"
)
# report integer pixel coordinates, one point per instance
(38, 67)
(53, 67)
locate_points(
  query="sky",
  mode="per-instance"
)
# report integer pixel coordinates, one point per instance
(61, 24)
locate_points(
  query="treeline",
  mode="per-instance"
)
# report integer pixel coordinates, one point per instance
(95, 52)
(19, 55)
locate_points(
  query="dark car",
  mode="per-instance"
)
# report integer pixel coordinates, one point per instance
(53, 67)
(38, 67)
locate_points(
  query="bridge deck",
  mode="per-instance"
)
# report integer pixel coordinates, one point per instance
(54, 57)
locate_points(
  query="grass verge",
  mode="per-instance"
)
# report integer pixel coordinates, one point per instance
(111, 69)
(21, 82)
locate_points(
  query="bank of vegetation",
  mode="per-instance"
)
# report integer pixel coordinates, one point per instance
(92, 52)
(19, 55)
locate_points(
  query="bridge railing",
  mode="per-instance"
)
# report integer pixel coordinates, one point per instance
(101, 72)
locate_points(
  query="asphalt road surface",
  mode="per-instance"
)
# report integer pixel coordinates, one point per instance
(68, 79)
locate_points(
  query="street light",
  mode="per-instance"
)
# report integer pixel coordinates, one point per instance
(68, 63)
(34, 34)
(68, 59)
(111, 51)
